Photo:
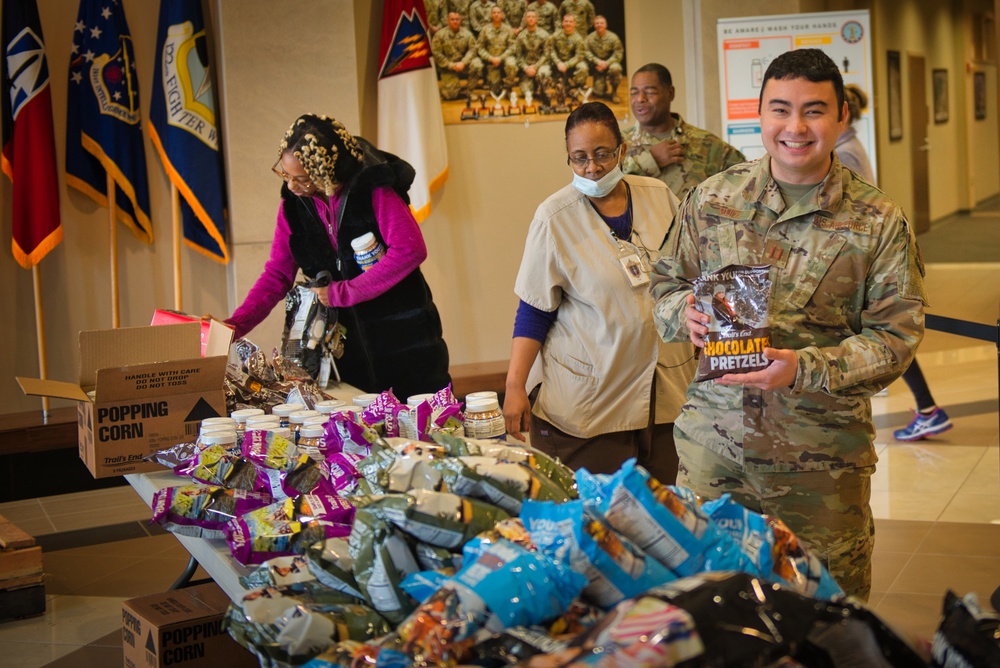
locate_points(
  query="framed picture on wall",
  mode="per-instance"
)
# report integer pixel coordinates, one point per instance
(979, 94)
(895, 95)
(941, 96)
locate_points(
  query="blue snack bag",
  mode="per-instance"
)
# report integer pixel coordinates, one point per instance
(615, 568)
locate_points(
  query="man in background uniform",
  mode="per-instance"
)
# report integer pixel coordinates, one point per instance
(513, 13)
(565, 51)
(454, 50)
(433, 9)
(496, 51)
(583, 10)
(604, 56)
(662, 145)
(547, 13)
(460, 6)
(529, 52)
(794, 440)
(479, 15)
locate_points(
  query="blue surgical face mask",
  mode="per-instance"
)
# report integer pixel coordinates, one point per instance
(600, 187)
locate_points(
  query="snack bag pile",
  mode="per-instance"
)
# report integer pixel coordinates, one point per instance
(387, 551)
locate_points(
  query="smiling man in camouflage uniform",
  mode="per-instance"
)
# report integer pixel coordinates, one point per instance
(529, 52)
(847, 312)
(662, 145)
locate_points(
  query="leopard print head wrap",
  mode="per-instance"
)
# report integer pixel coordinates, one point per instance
(328, 153)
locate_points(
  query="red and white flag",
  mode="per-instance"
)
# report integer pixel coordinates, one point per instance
(29, 151)
(410, 122)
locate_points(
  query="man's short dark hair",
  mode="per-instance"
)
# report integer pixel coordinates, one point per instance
(811, 64)
(661, 72)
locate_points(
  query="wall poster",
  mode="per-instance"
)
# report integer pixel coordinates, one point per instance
(747, 46)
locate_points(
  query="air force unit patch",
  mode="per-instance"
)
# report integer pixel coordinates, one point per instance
(187, 84)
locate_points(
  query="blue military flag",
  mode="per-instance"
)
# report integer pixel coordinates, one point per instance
(103, 123)
(182, 125)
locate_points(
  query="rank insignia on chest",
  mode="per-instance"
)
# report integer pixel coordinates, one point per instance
(776, 253)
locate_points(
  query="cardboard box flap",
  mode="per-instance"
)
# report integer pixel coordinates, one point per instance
(127, 346)
(51, 388)
(197, 375)
(220, 336)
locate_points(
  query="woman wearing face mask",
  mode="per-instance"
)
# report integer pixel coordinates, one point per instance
(603, 387)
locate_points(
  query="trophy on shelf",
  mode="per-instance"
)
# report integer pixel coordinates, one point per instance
(483, 111)
(468, 113)
(586, 95)
(528, 108)
(497, 109)
(559, 105)
(514, 109)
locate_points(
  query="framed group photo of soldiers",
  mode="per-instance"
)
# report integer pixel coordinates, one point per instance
(517, 60)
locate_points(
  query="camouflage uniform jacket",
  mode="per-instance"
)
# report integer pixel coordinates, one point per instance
(563, 48)
(847, 296)
(607, 48)
(548, 15)
(704, 155)
(583, 10)
(453, 47)
(460, 6)
(496, 42)
(479, 15)
(433, 10)
(529, 48)
(513, 12)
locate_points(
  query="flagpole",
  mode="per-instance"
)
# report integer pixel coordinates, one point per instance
(112, 213)
(43, 366)
(175, 216)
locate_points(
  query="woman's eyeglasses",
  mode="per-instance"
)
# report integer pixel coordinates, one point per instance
(601, 158)
(301, 181)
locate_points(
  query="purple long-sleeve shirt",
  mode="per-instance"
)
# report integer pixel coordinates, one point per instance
(405, 250)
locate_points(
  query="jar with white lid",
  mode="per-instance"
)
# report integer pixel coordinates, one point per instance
(212, 421)
(367, 250)
(243, 414)
(226, 439)
(312, 439)
(328, 406)
(285, 410)
(363, 400)
(298, 418)
(415, 400)
(483, 419)
(484, 394)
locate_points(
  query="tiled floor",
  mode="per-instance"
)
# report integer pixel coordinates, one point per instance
(936, 502)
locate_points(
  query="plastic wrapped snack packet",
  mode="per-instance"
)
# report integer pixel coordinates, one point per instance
(614, 567)
(380, 414)
(216, 466)
(382, 558)
(278, 572)
(504, 586)
(665, 525)
(736, 299)
(202, 511)
(330, 562)
(291, 624)
(437, 518)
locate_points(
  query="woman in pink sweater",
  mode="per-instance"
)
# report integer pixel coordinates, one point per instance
(338, 187)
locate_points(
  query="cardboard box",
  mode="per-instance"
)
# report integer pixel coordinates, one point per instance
(22, 586)
(168, 317)
(181, 628)
(152, 389)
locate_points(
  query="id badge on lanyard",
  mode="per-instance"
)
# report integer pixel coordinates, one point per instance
(633, 264)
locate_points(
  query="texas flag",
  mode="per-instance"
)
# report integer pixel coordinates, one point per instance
(410, 123)
(29, 153)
